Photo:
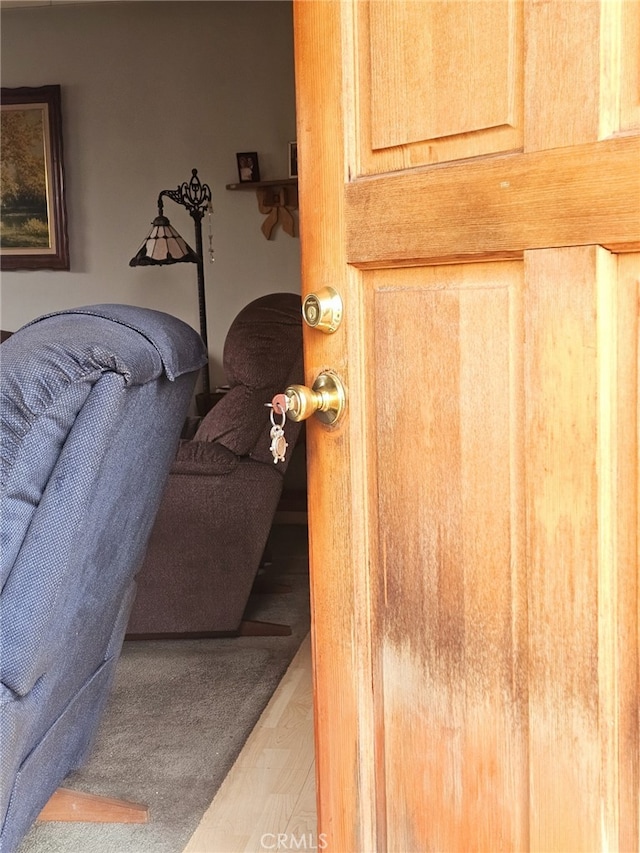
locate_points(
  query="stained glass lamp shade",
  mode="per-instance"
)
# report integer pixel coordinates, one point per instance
(163, 245)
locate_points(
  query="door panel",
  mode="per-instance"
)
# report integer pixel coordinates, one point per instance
(472, 89)
(420, 104)
(452, 568)
(627, 59)
(474, 517)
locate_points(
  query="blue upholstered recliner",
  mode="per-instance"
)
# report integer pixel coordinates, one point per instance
(92, 403)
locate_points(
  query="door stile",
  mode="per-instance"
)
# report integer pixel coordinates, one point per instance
(582, 481)
(619, 292)
(610, 672)
(337, 458)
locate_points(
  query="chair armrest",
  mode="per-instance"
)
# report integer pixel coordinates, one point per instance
(203, 457)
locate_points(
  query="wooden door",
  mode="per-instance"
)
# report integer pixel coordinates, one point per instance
(469, 183)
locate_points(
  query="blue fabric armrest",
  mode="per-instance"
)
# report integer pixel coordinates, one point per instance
(51, 356)
(180, 351)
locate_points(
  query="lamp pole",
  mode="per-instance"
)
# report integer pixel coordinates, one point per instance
(196, 197)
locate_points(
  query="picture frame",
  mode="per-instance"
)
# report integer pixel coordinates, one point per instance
(248, 167)
(33, 213)
(293, 159)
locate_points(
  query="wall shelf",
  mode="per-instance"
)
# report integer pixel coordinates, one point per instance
(276, 200)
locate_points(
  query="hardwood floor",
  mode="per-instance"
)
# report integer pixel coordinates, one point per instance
(267, 801)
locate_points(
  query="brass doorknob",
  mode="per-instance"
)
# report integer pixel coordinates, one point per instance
(323, 310)
(326, 399)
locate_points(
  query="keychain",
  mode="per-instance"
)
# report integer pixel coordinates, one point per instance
(278, 442)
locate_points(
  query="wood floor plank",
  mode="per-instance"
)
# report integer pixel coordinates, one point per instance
(303, 821)
(270, 790)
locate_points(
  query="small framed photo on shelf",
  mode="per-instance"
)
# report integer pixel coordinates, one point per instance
(248, 168)
(293, 159)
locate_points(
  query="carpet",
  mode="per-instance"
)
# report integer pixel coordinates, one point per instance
(177, 718)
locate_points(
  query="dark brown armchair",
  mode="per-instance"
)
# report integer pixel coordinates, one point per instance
(223, 491)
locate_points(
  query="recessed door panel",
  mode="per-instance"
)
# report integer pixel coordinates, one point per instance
(449, 342)
(438, 81)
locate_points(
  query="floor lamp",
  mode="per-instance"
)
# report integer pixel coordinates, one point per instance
(164, 245)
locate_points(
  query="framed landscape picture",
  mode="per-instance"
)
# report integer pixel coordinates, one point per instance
(33, 220)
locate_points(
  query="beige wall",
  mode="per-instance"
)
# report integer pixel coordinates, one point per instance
(151, 90)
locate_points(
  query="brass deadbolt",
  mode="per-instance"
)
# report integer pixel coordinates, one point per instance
(326, 399)
(323, 310)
